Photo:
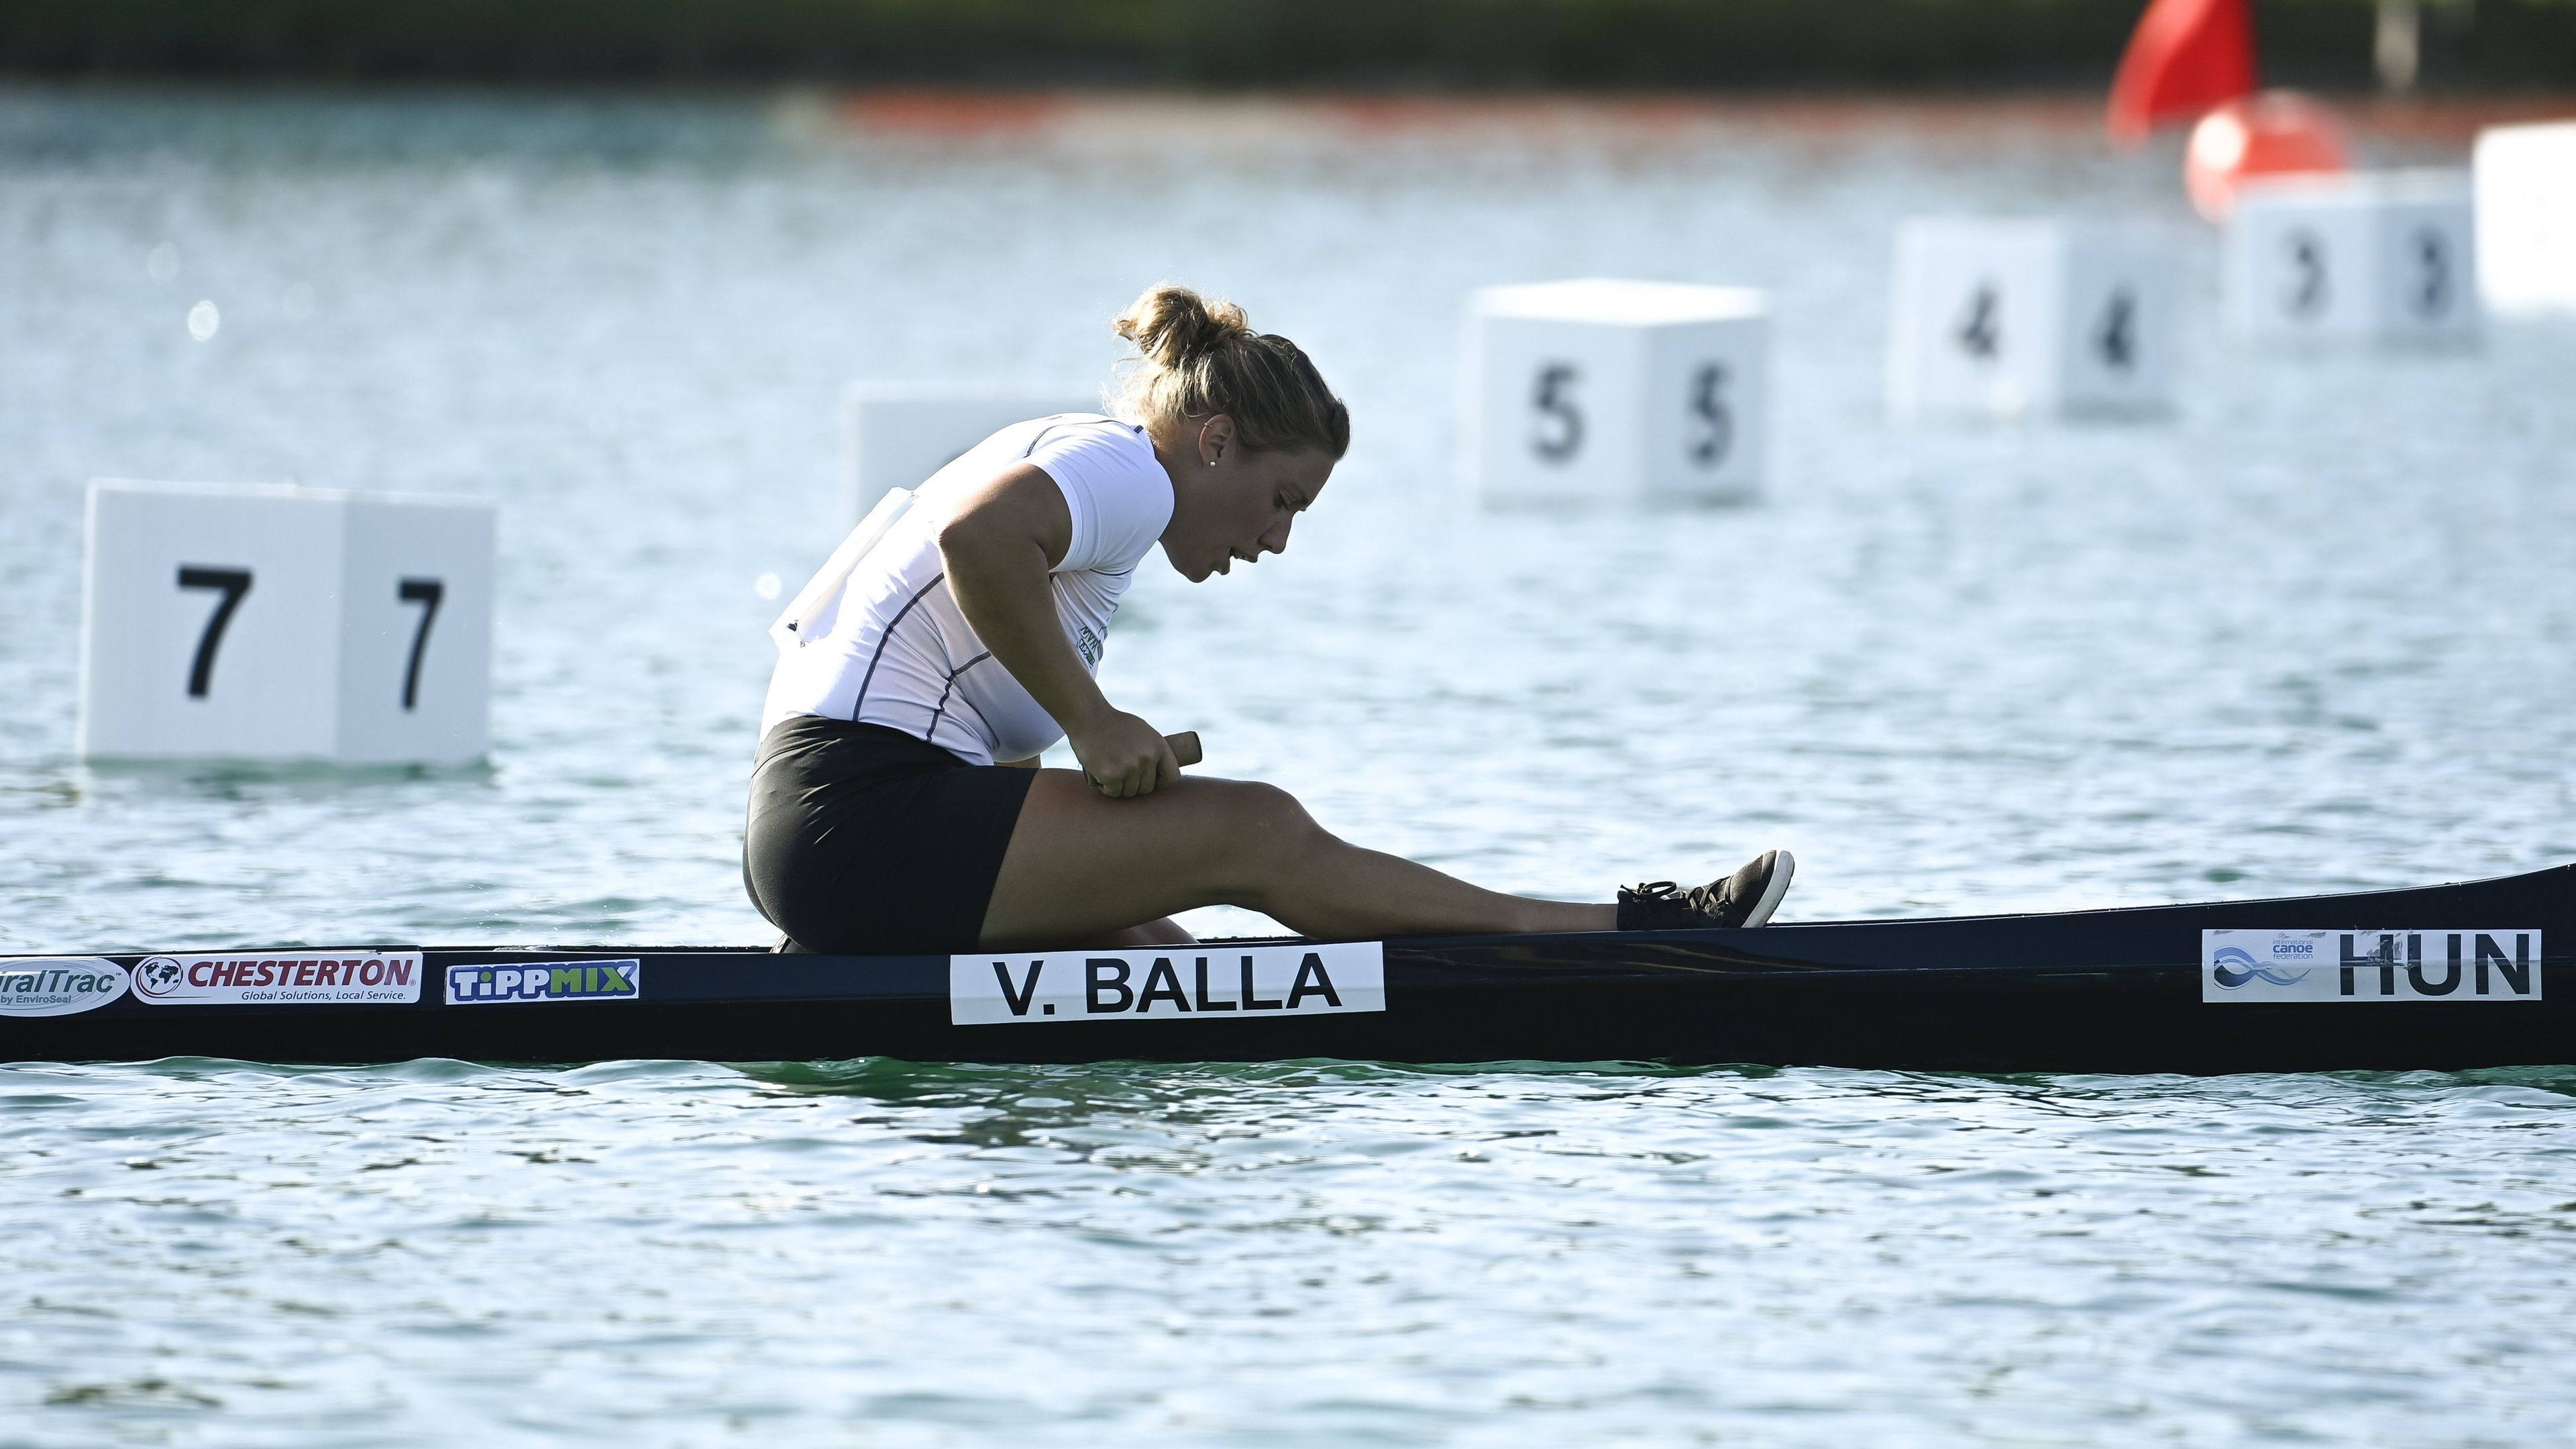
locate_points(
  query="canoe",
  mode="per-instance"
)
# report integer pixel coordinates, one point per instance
(2444, 977)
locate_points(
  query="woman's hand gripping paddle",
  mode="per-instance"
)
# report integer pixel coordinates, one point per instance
(1124, 768)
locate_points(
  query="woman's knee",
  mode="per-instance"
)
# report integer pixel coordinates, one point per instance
(1271, 831)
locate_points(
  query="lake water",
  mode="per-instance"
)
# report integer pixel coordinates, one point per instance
(2309, 633)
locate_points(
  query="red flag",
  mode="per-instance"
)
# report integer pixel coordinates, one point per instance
(2186, 56)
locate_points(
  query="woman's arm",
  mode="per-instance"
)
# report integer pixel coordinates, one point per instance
(998, 545)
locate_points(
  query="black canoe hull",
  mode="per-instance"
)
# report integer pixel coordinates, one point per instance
(2086, 991)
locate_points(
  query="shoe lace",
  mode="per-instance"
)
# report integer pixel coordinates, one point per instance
(1655, 890)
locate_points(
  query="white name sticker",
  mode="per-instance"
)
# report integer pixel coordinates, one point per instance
(58, 986)
(2418, 965)
(270, 978)
(1192, 983)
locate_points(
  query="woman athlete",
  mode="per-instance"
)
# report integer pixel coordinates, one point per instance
(896, 807)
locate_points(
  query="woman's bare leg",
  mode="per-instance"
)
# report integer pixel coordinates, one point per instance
(1081, 866)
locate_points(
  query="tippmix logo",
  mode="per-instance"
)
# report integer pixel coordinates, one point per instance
(492, 985)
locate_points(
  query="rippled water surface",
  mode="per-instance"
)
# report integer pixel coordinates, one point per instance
(2309, 633)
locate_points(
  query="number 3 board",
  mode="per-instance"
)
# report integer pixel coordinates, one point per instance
(2389, 257)
(275, 622)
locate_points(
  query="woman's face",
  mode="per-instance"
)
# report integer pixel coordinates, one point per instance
(1231, 504)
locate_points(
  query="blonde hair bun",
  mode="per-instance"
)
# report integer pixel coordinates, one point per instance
(1171, 325)
(1196, 358)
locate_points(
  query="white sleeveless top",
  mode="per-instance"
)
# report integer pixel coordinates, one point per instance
(896, 651)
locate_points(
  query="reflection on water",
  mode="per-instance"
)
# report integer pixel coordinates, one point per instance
(2307, 635)
(1310, 1253)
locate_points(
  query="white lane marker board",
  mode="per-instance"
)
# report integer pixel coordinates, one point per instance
(899, 433)
(2003, 318)
(2356, 257)
(1608, 391)
(284, 623)
(2526, 218)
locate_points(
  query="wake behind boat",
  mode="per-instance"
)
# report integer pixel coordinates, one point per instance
(2445, 977)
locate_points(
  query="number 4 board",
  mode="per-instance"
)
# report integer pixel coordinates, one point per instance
(2006, 318)
(284, 623)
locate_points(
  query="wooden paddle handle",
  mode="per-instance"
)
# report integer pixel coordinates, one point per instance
(1185, 747)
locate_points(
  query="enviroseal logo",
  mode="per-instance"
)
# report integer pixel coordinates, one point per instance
(59, 985)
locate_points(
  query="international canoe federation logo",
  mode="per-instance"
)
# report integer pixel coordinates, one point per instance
(156, 976)
(2234, 967)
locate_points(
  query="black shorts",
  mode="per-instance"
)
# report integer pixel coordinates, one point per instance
(866, 841)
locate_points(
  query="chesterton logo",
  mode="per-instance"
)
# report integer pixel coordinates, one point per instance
(59, 986)
(271, 978)
(493, 985)
(2415, 965)
(1239, 983)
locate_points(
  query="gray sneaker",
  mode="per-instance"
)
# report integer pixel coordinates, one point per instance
(1746, 898)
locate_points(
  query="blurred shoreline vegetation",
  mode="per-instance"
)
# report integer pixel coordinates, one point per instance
(2468, 45)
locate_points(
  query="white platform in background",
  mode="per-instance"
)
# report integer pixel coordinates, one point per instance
(899, 433)
(282, 623)
(2526, 210)
(2386, 256)
(1999, 318)
(1607, 391)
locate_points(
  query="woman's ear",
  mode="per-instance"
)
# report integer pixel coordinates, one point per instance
(1216, 439)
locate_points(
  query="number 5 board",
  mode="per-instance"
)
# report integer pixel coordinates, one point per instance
(1606, 391)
